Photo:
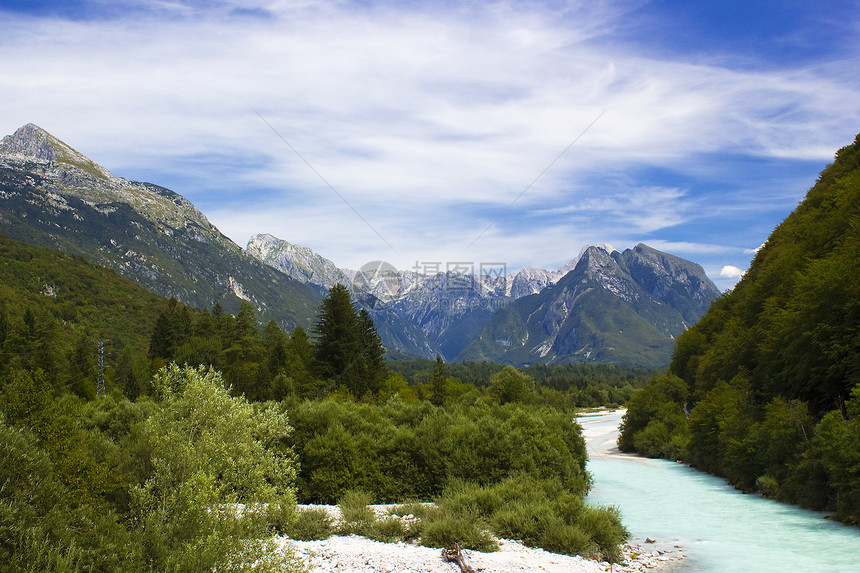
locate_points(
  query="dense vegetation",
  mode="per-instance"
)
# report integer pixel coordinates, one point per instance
(213, 425)
(772, 371)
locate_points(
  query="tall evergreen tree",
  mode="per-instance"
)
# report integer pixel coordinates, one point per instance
(372, 353)
(437, 381)
(336, 332)
(348, 348)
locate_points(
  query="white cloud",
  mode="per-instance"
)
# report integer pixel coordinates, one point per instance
(428, 120)
(731, 272)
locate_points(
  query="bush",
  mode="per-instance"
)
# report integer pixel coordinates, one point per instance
(415, 509)
(448, 529)
(387, 530)
(208, 452)
(310, 525)
(603, 525)
(537, 512)
(355, 515)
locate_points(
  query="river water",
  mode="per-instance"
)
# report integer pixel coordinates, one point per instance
(718, 528)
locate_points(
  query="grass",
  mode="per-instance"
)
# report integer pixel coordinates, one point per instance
(538, 513)
(310, 525)
(356, 517)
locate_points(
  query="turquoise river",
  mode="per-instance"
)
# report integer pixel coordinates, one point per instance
(719, 528)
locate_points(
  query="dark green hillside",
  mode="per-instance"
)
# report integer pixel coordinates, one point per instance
(772, 371)
(55, 197)
(181, 263)
(792, 324)
(55, 307)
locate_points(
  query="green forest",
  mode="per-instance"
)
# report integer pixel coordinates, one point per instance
(765, 388)
(188, 443)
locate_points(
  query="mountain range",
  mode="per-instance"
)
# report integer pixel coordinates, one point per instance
(603, 306)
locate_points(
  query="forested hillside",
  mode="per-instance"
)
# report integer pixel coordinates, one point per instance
(772, 371)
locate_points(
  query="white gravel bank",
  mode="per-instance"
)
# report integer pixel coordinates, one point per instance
(353, 553)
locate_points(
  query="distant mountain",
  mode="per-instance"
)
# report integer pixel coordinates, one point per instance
(300, 263)
(579, 313)
(53, 196)
(623, 308)
(419, 314)
(603, 306)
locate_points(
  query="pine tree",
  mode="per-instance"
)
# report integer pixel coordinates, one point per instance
(336, 330)
(348, 348)
(373, 354)
(437, 381)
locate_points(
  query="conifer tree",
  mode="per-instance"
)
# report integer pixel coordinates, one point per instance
(372, 353)
(348, 348)
(437, 381)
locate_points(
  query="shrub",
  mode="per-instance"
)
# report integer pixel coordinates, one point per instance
(310, 525)
(539, 513)
(447, 529)
(387, 530)
(208, 452)
(355, 515)
(603, 525)
(417, 509)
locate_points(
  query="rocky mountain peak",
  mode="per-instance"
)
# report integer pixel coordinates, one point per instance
(300, 263)
(33, 142)
(571, 264)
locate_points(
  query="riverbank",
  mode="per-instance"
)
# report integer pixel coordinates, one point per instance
(359, 554)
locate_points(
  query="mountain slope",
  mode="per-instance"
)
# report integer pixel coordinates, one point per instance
(622, 308)
(55, 307)
(602, 306)
(420, 314)
(792, 324)
(53, 196)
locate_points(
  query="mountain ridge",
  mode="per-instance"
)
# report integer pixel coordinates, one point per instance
(54, 196)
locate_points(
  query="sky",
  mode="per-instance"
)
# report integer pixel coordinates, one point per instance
(442, 133)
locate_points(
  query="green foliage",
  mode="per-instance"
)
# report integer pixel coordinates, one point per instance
(310, 525)
(158, 483)
(654, 424)
(538, 512)
(44, 526)
(355, 515)
(827, 475)
(443, 529)
(348, 349)
(54, 309)
(511, 385)
(779, 352)
(387, 530)
(792, 322)
(209, 452)
(413, 450)
(437, 382)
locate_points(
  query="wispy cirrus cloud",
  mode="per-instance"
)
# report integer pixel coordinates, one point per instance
(430, 120)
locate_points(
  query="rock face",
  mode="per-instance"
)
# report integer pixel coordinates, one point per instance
(300, 263)
(623, 308)
(53, 196)
(530, 280)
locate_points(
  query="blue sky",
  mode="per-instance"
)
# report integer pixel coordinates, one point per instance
(447, 132)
